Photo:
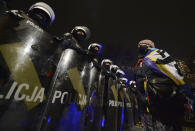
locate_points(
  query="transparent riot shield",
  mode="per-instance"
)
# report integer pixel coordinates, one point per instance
(128, 109)
(68, 104)
(120, 118)
(135, 109)
(26, 67)
(92, 121)
(111, 105)
(99, 119)
(99, 116)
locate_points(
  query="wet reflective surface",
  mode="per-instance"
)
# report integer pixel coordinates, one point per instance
(73, 91)
(27, 63)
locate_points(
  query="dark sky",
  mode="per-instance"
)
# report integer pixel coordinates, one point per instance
(119, 24)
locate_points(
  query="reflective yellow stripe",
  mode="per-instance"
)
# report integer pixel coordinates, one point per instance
(113, 88)
(22, 69)
(77, 83)
(128, 97)
(121, 94)
(136, 102)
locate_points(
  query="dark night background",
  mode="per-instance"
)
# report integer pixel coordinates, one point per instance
(120, 25)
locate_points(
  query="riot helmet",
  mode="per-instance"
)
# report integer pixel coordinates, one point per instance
(123, 81)
(120, 73)
(95, 48)
(81, 33)
(42, 13)
(113, 69)
(106, 63)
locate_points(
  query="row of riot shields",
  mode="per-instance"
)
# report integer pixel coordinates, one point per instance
(47, 86)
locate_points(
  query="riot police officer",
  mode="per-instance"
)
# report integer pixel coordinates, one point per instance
(24, 47)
